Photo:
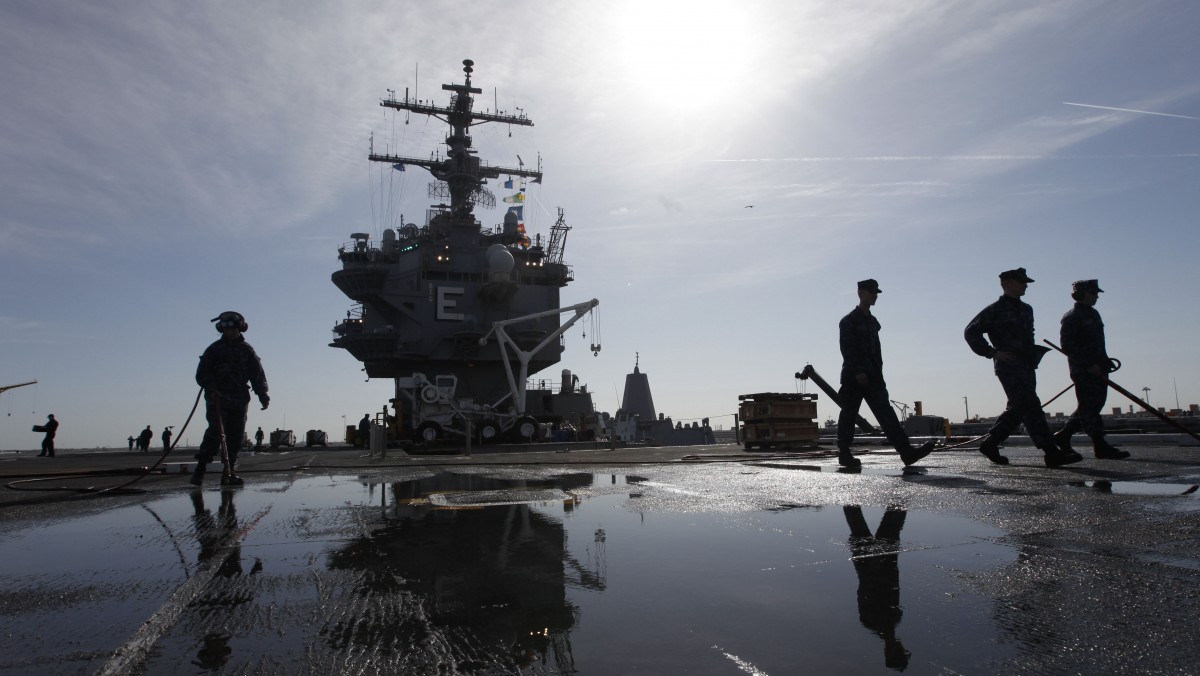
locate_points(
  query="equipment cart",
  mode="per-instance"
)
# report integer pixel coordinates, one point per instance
(778, 421)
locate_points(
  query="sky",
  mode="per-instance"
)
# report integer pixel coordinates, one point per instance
(730, 171)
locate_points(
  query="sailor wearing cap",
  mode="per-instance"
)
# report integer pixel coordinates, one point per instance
(862, 380)
(1008, 322)
(1082, 336)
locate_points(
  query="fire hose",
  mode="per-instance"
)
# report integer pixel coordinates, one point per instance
(226, 468)
(138, 473)
(809, 373)
(1132, 397)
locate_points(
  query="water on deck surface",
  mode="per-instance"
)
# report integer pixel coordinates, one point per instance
(445, 573)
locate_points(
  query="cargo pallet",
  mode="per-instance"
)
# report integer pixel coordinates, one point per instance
(778, 421)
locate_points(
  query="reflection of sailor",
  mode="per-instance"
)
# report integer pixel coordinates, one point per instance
(876, 562)
(204, 526)
(217, 538)
(220, 556)
(214, 534)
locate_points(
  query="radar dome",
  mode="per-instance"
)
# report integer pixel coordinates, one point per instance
(510, 223)
(500, 262)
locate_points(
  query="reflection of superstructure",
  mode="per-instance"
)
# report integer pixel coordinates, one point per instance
(488, 569)
(438, 304)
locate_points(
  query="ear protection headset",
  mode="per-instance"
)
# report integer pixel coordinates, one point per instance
(230, 320)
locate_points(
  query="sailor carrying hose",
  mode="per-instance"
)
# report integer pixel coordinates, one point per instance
(225, 368)
(1008, 322)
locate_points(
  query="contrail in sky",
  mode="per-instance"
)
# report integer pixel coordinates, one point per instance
(906, 158)
(1130, 110)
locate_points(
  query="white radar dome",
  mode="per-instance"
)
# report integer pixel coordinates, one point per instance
(500, 262)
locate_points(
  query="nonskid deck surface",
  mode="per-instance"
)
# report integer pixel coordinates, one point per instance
(696, 559)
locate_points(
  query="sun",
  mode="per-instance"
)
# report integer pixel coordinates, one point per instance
(678, 55)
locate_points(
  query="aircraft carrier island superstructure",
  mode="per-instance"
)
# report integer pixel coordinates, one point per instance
(458, 314)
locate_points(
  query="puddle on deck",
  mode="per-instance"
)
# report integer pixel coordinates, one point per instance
(1139, 487)
(466, 574)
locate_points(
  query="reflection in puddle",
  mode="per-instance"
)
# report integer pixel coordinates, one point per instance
(477, 575)
(876, 561)
(496, 498)
(489, 581)
(834, 469)
(1139, 487)
(553, 586)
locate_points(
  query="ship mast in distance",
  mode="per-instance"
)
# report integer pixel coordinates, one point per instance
(461, 171)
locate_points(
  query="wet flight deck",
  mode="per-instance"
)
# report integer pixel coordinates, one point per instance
(699, 560)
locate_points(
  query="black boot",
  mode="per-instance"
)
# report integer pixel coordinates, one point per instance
(231, 479)
(990, 448)
(1062, 438)
(1057, 457)
(1106, 451)
(846, 459)
(913, 455)
(198, 474)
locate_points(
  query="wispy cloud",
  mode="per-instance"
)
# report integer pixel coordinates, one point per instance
(890, 189)
(987, 28)
(20, 241)
(670, 204)
(19, 324)
(179, 114)
(1059, 121)
(22, 330)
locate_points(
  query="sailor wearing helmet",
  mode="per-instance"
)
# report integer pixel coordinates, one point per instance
(225, 368)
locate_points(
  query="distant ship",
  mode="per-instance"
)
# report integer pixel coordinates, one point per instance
(459, 314)
(638, 422)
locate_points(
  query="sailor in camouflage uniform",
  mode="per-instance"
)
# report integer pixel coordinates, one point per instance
(862, 380)
(224, 369)
(1009, 324)
(1082, 337)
